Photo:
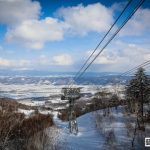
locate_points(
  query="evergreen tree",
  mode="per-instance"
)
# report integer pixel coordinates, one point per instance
(138, 92)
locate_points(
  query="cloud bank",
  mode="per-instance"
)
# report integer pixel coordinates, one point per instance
(25, 26)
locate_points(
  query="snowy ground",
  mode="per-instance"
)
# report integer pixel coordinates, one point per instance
(24, 91)
(95, 131)
(113, 132)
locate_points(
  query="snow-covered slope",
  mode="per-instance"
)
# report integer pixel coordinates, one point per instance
(113, 132)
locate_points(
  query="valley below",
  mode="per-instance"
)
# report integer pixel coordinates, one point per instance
(103, 122)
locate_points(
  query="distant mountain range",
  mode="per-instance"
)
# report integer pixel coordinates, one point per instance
(98, 79)
(4, 72)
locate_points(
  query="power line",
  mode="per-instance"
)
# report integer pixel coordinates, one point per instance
(118, 30)
(104, 37)
(133, 69)
(147, 67)
(144, 64)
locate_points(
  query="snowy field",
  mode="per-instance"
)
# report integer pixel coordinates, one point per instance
(26, 91)
(35, 87)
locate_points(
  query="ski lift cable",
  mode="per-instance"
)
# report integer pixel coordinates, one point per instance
(70, 84)
(144, 64)
(141, 65)
(146, 67)
(129, 2)
(118, 30)
(129, 73)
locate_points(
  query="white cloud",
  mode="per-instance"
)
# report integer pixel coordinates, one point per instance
(35, 33)
(83, 19)
(24, 26)
(121, 56)
(139, 24)
(30, 31)
(104, 58)
(43, 60)
(147, 56)
(59, 60)
(63, 59)
(14, 63)
(4, 62)
(15, 11)
(24, 62)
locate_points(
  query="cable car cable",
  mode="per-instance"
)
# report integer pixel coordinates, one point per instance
(105, 36)
(118, 30)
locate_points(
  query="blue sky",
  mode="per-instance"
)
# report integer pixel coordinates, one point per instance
(58, 35)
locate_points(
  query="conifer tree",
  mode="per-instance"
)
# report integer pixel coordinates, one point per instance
(138, 92)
